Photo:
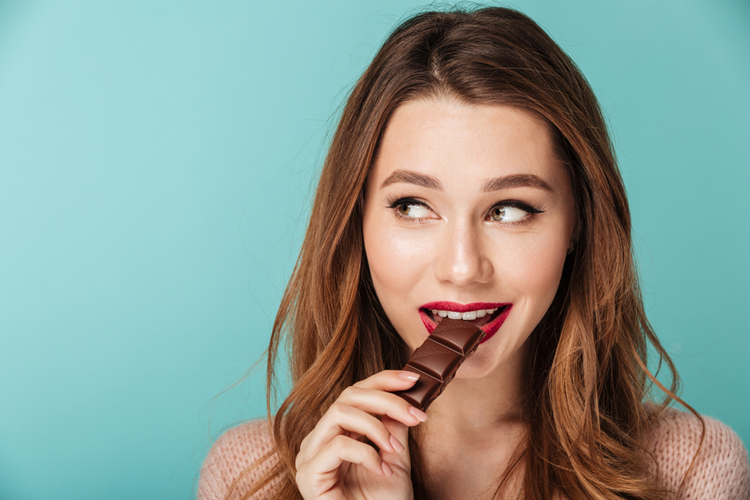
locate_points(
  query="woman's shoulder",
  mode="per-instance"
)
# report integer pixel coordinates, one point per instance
(237, 449)
(720, 470)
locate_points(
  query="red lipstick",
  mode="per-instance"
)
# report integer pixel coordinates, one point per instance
(489, 328)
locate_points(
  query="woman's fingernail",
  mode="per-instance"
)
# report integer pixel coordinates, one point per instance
(409, 376)
(386, 468)
(396, 444)
(419, 414)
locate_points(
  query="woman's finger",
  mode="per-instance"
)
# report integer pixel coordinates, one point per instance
(365, 409)
(400, 442)
(377, 402)
(342, 419)
(320, 472)
(352, 413)
(389, 380)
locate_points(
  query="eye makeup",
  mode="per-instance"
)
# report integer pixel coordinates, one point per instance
(398, 204)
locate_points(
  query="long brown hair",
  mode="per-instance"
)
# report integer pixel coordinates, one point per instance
(587, 370)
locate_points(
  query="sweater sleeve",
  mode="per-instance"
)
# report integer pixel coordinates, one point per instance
(236, 450)
(720, 471)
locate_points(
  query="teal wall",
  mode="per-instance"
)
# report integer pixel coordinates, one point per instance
(156, 163)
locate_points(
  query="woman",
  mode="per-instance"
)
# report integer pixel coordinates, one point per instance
(471, 175)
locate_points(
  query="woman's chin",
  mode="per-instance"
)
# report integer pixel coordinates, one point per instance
(476, 367)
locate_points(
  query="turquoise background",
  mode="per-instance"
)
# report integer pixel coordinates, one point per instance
(156, 165)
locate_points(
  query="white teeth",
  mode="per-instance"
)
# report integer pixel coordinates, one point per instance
(466, 316)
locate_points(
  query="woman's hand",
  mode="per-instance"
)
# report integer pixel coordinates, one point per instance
(333, 464)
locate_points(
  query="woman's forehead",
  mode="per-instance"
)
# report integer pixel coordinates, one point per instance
(451, 139)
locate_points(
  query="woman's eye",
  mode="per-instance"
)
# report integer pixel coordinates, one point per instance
(507, 213)
(413, 210)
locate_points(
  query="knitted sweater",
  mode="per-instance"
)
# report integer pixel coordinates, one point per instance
(721, 471)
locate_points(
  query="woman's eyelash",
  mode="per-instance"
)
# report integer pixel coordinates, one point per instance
(394, 203)
(520, 205)
(529, 210)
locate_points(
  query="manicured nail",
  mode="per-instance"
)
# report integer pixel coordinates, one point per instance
(419, 414)
(409, 376)
(396, 444)
(387, 469)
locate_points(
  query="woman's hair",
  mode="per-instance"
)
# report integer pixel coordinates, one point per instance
(587, 378)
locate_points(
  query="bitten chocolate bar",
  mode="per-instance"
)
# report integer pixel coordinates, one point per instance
(438, 358)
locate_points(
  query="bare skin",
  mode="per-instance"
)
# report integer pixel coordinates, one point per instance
(459, 448)
(333, 465)
(464, 204)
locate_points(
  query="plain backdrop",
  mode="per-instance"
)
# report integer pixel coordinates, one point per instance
(157, 160)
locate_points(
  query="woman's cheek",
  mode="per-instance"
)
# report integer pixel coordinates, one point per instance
(396, 257)
(535, 266)
(407, 247)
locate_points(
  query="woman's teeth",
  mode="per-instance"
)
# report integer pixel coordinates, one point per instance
(466, 316)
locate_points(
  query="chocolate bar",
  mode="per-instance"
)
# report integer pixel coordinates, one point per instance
(438, 358)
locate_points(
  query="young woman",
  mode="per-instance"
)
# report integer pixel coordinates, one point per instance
(471, 175)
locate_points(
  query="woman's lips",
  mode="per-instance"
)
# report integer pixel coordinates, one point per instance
(489, 328)
(460, 308)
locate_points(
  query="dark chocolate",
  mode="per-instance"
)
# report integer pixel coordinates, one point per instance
(438, 358)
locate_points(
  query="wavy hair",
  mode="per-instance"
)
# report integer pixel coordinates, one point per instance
(587, 375)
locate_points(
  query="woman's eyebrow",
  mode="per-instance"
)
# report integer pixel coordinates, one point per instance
(412, 178)
(515, 180)
(496, 184)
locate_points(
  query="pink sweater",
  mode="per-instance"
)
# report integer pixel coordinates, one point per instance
(721, 471)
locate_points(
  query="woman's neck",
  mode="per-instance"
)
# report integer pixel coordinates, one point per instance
(475, 406)
(474, 429)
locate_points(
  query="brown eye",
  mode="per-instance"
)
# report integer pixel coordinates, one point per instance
(411, 209)
(498, 213)
(507, 213)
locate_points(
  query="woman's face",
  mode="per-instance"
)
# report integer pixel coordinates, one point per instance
(468, 212)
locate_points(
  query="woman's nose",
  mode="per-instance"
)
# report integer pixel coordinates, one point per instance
(462, 260)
